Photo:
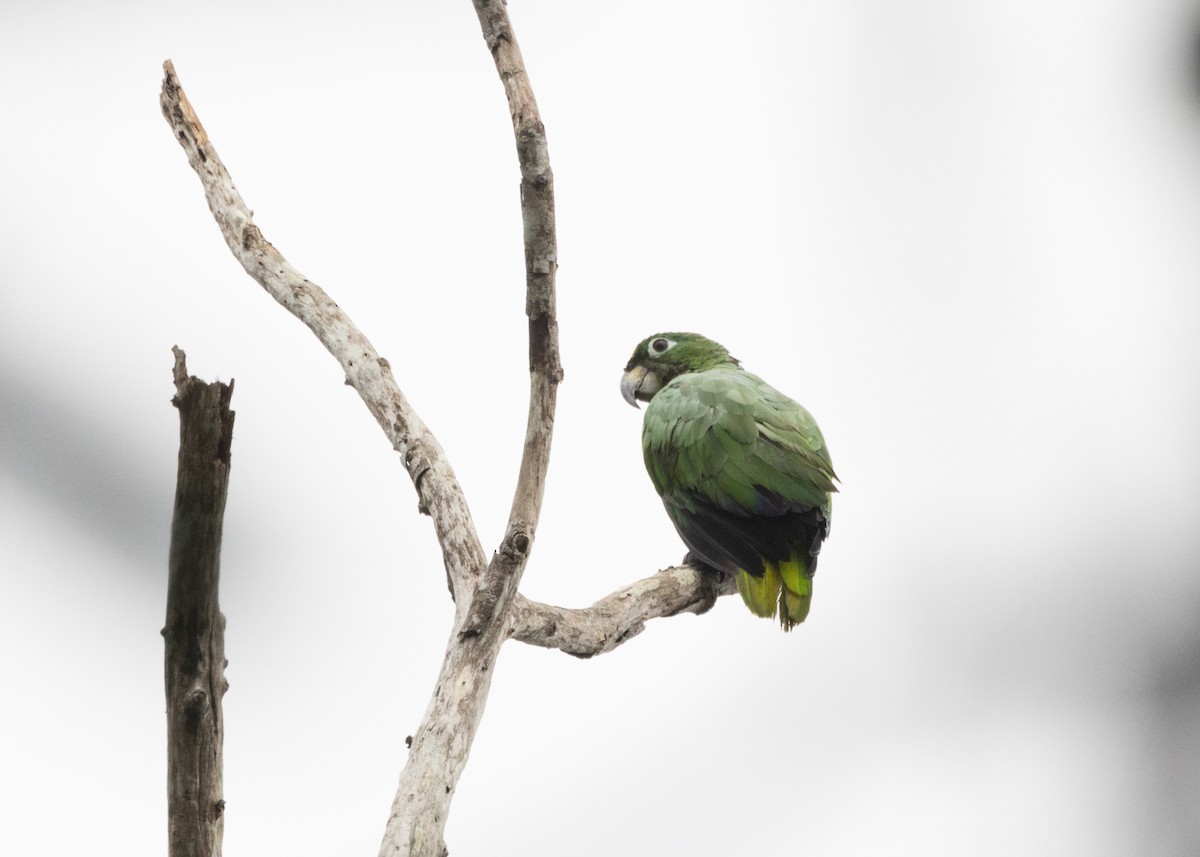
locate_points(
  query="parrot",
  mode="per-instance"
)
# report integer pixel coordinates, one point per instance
(742, 469)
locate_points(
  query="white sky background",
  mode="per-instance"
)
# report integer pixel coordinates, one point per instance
(966, 235)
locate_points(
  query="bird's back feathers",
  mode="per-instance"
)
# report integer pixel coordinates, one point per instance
(746, 479)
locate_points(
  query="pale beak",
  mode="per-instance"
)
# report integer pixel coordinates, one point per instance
(639, 383)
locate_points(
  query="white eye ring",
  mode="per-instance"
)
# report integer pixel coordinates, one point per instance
(660, 345)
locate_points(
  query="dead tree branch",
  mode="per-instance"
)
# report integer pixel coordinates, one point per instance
(503, 576)
(437, 487)
(619, 617)
(489, 609)
(441, 743)
(195, 629)
(440, 747)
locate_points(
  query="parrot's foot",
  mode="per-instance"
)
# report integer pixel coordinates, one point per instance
(703, 567)
(712, 578)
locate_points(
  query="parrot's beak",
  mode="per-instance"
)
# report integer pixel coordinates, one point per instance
(638, 383)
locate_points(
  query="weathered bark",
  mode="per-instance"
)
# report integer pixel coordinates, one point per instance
(499, 584)
(195, 628)
(442, 743)
(489, 609)
(369, 374)
(619, 617)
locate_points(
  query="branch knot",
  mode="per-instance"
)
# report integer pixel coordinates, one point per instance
(516, 546)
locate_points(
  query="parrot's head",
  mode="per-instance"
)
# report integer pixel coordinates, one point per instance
(663, 357)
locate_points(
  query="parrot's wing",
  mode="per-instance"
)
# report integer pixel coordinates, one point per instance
(742, 469)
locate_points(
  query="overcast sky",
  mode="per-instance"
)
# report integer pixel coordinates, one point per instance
(965, 234)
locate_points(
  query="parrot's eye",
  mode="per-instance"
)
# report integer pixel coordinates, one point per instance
(658, 346)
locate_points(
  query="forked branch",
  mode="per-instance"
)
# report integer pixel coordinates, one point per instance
(489, 609)
(500, 583)
(443, 740)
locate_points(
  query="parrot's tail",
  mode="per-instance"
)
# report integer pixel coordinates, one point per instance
(784, 588)
(796, 595)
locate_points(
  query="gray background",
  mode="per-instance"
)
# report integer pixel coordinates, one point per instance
(964, 234)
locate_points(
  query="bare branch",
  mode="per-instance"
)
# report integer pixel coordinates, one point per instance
(369, 374)
(503, 576)
(440, 747)
(617, 618)
(195, 629)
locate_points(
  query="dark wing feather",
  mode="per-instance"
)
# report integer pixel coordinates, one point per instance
(730, 542)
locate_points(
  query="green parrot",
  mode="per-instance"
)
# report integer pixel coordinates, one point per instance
(742, 469)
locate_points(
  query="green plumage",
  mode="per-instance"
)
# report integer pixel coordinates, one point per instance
(741, 468)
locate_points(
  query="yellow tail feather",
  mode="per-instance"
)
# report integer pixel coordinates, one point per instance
(784, 589)
(761, 594)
